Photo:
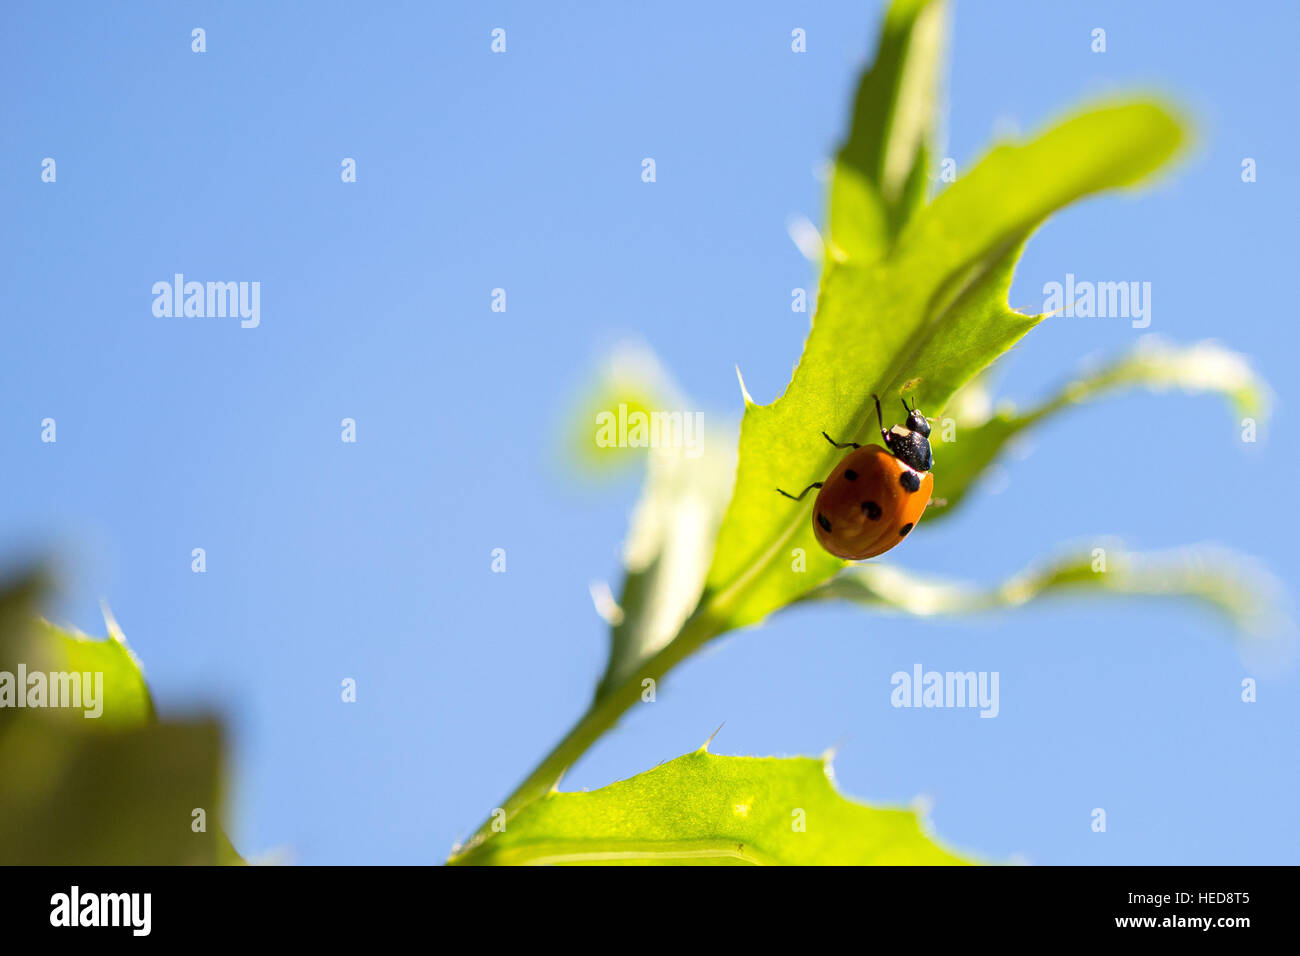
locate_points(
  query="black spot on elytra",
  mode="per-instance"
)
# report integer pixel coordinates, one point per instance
(910, 481)
(821, 520)
(871, 510)
(902, 532)
(851, 475)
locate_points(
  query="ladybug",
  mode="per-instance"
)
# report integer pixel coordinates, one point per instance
(875, 496)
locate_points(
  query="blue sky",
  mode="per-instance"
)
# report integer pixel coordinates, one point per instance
(371, 560)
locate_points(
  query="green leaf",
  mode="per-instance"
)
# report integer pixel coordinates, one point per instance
(1229, 582)
(880, 172)
(924, 321)
(707, 809)
(979, 434)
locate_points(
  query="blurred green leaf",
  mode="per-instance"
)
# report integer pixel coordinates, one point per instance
(117, 788)
(117, 797)
(630, 381)
(1229, 582)
(666, 554)
(126, 699)
(980, 435)
(707, 809)
(673, 526)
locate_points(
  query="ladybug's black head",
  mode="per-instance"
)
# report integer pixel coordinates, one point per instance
(916, 422)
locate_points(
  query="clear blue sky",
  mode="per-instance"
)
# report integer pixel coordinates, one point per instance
(522, 171)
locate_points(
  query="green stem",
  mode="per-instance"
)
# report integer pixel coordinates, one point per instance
(603, 714)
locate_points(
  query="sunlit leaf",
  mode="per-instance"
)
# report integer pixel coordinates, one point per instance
(927, 319)
(707, 809)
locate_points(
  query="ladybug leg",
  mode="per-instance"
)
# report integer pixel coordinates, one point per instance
(815, 484)
(837, 444)
(880, 420)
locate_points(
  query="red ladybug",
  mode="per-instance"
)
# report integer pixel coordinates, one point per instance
(875, 496)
